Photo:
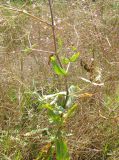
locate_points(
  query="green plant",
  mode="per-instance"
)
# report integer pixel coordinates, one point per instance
(32, 120)
(60, 106)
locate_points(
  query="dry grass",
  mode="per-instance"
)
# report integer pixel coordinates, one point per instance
(91, 27)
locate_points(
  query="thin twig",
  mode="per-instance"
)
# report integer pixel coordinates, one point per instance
(76, 35)
(53, 31)
(53, 27)
(27, 13)
(40, 50)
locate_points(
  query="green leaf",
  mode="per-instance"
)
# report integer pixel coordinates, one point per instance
(47, 106)
(74, 48)
(58, 70)
(70, 111)
(74, 57)
(18, 156)
(65, 60)
(50, 153)
(54, 118)
(27, 50)
(50, 158)
(61, 149)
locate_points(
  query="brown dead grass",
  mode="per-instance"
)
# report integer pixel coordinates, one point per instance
(92, 28)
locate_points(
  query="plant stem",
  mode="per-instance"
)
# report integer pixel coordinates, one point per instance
(55, 48)
(54, 36)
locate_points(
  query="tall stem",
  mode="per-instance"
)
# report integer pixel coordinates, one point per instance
(53, 31)
(55, 49)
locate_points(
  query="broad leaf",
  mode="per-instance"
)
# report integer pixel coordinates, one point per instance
(58, 70)
(61, 150)
(74, 57)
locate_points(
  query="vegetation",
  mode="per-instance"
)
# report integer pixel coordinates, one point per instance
(59, 92)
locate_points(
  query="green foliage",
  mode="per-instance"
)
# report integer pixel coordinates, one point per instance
(12, 93)
(74, 57)
(70, 111)
(58, 116)
(29, 141)
(61, 149)
(58, 70)
(74, 48)
(65, 60)
(54, 114)
(109, 147)
(27, 50)
(18, 156)
(106, 150)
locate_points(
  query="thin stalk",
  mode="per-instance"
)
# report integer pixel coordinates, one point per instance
(53, 32)
(56, 54)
